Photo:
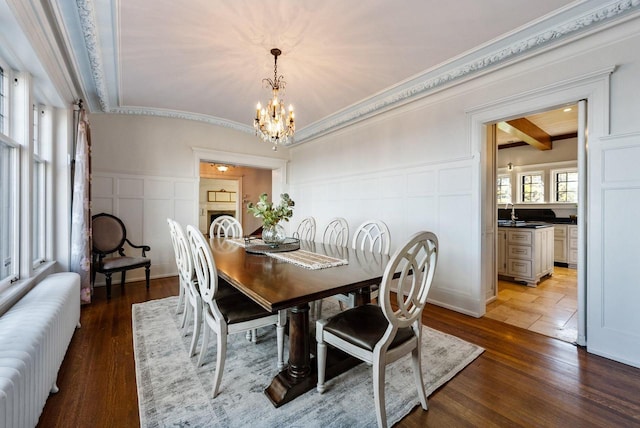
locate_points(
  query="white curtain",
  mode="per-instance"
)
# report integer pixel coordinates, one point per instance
(81, 209)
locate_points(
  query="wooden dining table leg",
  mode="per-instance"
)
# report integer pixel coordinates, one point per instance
(298, 377)
(301, 375)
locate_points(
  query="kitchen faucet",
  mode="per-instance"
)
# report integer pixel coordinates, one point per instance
(513, 211)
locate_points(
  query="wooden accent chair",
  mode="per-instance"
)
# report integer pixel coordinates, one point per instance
(378, 334)
(109, 236)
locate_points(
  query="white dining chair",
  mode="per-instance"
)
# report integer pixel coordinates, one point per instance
(225, 226)
(336, 232)
(229, 314)
(378, 334)
(181, 293)
(372, 236)
(193, 301)
(306, 230)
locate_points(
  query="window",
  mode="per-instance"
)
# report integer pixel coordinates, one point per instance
(565, 185)
(8, 212)
(3, 102)
(531, 187)
(504, 189)
(41, 141)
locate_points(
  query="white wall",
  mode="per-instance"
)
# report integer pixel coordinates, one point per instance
(144, 171)
(417, 167)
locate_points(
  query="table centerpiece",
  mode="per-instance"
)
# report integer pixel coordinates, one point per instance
(273, 232)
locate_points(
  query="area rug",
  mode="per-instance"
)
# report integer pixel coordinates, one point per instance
(173, 392)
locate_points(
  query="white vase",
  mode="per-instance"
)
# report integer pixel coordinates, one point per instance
(273, 235)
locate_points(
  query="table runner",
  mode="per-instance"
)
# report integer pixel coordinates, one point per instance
(302, 258)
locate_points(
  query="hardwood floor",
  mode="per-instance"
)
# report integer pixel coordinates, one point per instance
(522, 379)
(551, 308)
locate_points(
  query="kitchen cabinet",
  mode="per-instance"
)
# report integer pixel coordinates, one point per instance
(529, 253)
(502, 251)
(560, 243)
(572, 246)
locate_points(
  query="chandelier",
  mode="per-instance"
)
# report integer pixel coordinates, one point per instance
(272, 123)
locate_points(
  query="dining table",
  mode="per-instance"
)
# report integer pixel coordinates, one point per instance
(276, 284)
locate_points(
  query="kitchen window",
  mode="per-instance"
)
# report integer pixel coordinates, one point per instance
(504, 189)
(565, 185)
(531, 187)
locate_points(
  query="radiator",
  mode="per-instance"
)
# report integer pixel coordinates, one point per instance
(34, 336)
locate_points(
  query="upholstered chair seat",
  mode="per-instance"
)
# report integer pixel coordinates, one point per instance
(364, 326)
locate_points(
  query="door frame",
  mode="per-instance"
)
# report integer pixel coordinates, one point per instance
(592, 87)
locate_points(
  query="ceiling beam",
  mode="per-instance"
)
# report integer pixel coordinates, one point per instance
(527, 131)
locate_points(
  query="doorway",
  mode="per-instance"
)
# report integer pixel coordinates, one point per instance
(536, 169)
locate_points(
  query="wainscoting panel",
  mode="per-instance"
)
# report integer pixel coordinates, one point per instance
(435, 197)
(144, 203)
(613, 325)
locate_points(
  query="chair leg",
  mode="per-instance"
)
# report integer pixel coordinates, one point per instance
(107, 277)
(197, 322)
(187, 318)
(179, 308)
(282, 320)
(205, 343)
(417, 372)
(322, 361)
(378, 392)
(124, 275)
(222, 354)
(147, 274)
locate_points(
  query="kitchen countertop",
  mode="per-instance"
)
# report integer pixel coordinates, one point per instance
(523, 224)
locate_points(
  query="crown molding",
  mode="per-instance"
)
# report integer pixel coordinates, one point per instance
(469, 65)
(429, 82)
(89, 28)
(174, 114)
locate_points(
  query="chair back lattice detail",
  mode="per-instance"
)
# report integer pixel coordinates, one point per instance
(225, 226)
(336, 232)
(372, 235)
(306, 230)
(204, 264)
(415, 262)
(184, 260)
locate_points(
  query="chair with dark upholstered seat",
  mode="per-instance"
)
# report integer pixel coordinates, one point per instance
(378, 334)
(109, 236)
(226, 315)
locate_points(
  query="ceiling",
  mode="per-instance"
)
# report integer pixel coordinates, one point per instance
(555, 124)
(342, 61)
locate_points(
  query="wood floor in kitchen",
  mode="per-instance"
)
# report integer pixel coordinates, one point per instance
(549, 309)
